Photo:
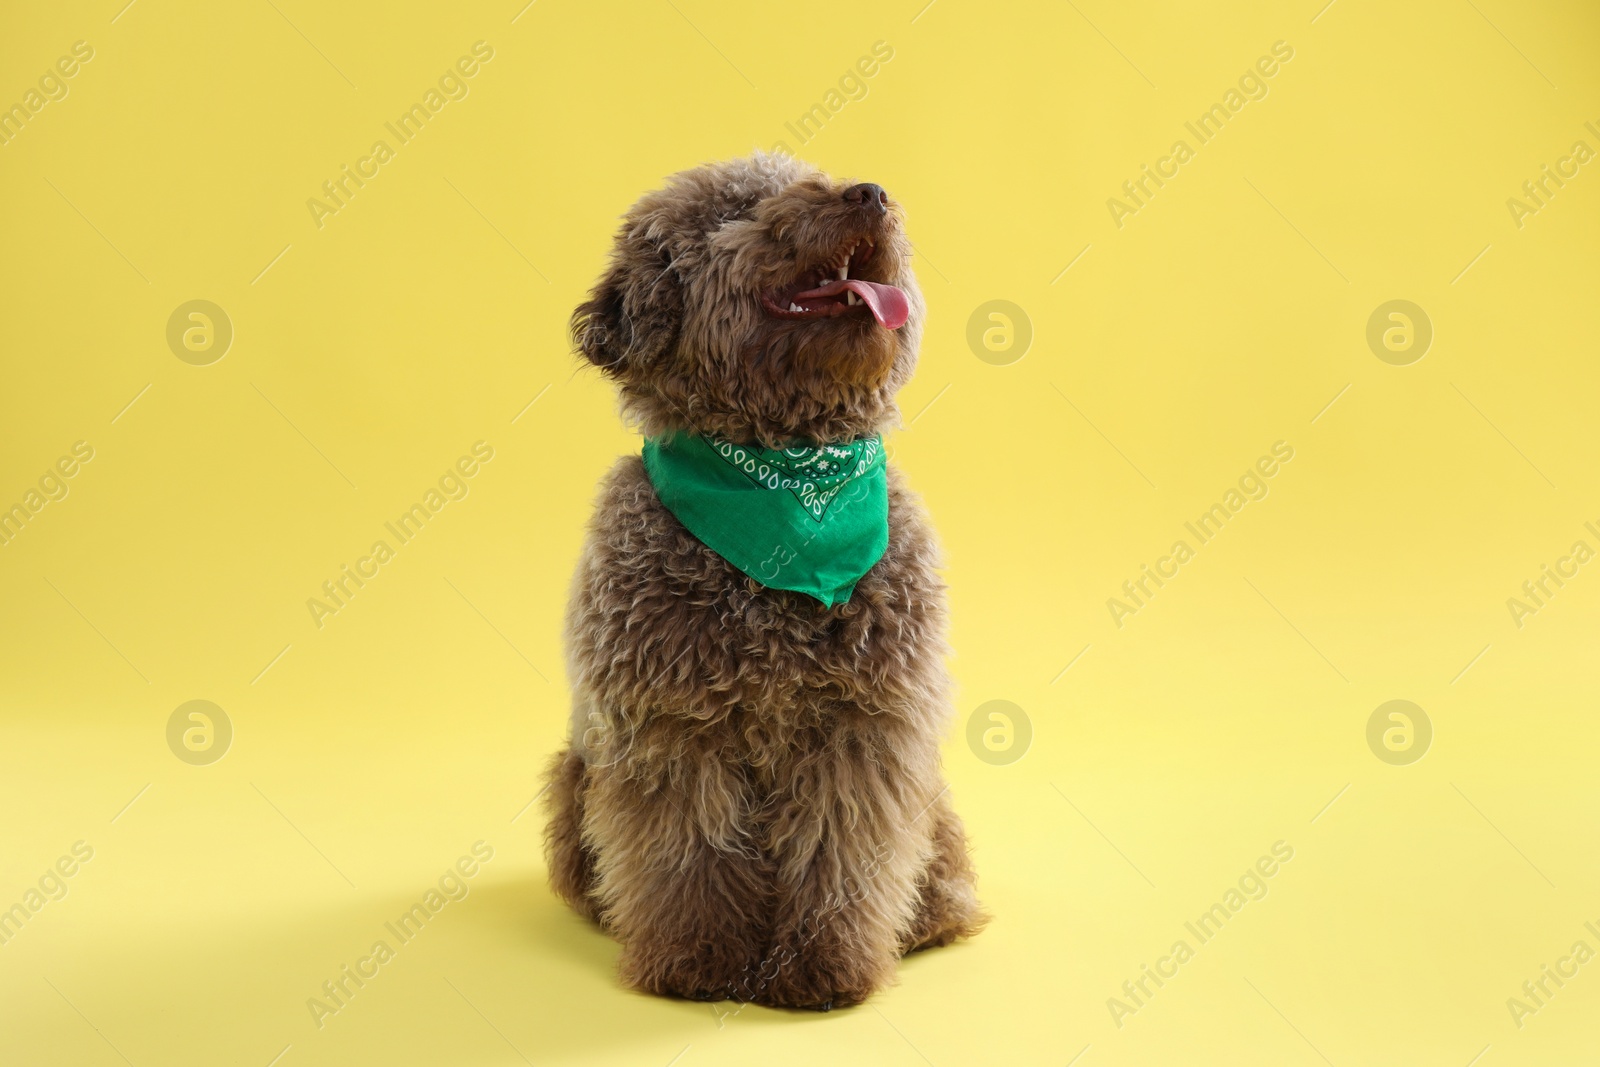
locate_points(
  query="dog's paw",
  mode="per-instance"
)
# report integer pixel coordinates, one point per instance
(944, 914)
(821, 978)
(688, 974)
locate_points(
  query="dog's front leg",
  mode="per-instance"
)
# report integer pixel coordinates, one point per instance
(678, 880)
(851, 835)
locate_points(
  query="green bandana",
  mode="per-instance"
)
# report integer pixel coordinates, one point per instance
(809, 519)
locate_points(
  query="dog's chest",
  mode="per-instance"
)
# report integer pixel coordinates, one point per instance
(660, 622)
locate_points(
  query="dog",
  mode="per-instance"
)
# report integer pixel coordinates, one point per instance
(751, 798)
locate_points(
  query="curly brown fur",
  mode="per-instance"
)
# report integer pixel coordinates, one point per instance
(751, 800)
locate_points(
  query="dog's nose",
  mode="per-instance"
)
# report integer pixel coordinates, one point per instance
(869, 195)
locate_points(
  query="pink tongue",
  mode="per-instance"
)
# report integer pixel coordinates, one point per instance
(887, 303)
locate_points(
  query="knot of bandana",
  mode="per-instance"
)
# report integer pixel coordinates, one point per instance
(812, 519)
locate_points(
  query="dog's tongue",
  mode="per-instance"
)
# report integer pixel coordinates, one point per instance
(887, 303)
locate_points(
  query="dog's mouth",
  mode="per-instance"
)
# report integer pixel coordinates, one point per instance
(837, 289)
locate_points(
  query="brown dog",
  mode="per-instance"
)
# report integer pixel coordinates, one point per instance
(751, 799)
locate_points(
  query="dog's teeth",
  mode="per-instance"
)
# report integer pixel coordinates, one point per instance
(851, 298)
(844, 271)
(796, 307)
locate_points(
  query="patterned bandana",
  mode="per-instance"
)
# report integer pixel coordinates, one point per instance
(809, 519)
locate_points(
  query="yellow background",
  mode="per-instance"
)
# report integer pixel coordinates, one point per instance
(1225, 716)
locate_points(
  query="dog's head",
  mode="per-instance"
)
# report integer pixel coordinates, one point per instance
(757, 300)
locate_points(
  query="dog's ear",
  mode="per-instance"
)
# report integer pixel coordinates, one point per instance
(633, 313)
